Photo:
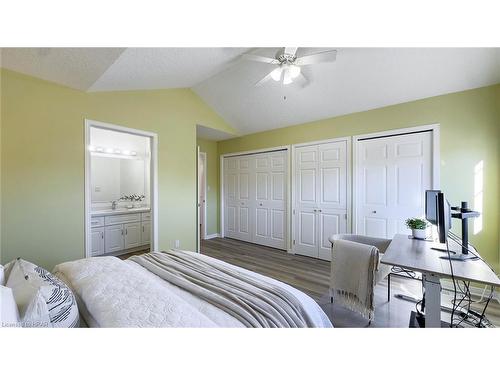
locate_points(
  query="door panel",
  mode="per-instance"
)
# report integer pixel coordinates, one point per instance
(97, 241)
(255, 198)
(278, 224)
(146, 233)
(113, 238)
(132, 235)
(330, 222)
(393, 174)
(320, 197)
(306, 234)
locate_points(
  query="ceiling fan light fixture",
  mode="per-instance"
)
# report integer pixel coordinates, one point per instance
(276, 74)
(287, 78)
(294, 71)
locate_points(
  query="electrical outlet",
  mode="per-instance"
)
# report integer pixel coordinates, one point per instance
(177, 244)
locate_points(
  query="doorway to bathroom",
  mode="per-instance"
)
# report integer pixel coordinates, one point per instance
(121, 193)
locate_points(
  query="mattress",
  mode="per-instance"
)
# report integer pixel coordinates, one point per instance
(114, 293)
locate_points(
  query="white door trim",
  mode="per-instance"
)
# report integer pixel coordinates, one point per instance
(348, 177)
(88, 124)
(204, 157)
(435, 157)
(286, 148)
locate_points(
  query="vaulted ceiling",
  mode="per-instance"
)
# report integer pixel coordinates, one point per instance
(360, 79)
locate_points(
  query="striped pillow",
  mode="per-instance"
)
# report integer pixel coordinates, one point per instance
(29, 282)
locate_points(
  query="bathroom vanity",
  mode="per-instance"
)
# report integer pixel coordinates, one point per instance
(120, 231)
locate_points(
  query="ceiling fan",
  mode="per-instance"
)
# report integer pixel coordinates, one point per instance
(288, 64)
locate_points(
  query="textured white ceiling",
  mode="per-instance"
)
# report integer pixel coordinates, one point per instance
(360, 79)
(77, 68)
(157, 68)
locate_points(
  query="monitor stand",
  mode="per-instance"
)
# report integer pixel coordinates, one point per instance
(460, 257)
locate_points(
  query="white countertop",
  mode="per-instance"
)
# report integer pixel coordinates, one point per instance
(120, 211)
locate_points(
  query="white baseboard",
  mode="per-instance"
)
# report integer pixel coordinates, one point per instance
(210, 236)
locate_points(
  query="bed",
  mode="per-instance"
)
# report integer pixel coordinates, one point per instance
(183, 289)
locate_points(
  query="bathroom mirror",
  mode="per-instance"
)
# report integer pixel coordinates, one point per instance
(113, 177)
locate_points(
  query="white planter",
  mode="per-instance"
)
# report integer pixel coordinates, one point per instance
(419, 233)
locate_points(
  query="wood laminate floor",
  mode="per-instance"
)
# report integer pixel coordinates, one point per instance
(312, 276)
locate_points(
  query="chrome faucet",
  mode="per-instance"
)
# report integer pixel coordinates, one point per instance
(113, 205)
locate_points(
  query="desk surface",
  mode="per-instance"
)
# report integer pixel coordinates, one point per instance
(418, 256)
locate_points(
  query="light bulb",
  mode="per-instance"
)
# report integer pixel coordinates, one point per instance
(109, 150)
(294, 71)
(287, 79)
(133, 153)
(126, 152)
(91, 148)
(276, 74)
(117, 151)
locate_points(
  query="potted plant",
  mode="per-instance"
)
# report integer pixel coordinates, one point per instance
(418, 227)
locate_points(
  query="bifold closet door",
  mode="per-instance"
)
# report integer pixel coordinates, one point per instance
(269, 211)
(392, 175)
(255, 194)
(320, 207)
(237, 198)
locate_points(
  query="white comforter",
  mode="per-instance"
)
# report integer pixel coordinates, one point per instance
(115, 293)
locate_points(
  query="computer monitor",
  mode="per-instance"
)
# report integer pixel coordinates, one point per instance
(443, 214)
(431, 206)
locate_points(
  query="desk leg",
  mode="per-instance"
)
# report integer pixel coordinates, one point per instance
(432, 287)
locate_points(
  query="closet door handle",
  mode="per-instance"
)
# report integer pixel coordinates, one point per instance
(122, 232)
(102, 235)
(126, 232)
(260, 204)
(319, 210)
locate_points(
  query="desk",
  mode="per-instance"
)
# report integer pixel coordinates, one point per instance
(419, 256)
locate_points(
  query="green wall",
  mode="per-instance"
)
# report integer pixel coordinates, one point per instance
(42, 159)
(470, 133)
(212, 177)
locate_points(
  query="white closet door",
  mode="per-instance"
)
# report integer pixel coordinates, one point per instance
(392, 176)
(332, 194)
(231, 192)
(269, 205)
(306, 201)
(320, 197)
(244, 199)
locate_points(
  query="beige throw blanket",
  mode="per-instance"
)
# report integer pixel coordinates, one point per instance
(254, 302)
(354, 266)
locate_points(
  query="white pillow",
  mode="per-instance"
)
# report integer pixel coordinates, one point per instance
(9, 315)
(42, 299)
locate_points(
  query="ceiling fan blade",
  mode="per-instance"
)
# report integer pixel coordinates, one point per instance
(262, 59)
(316, 58)
(302, 80)
(291, 50)
(266, 78)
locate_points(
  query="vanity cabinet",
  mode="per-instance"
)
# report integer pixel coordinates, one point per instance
(119, 232)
